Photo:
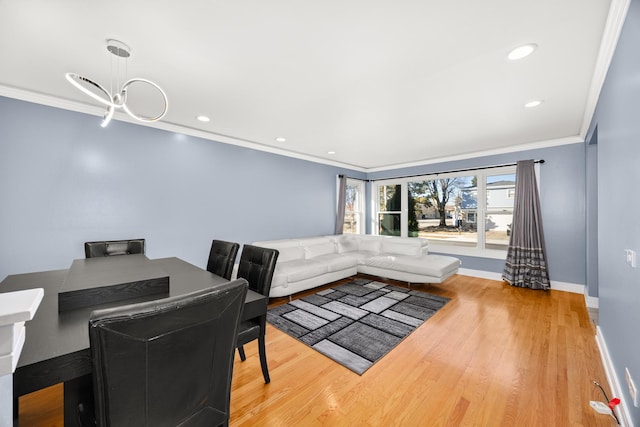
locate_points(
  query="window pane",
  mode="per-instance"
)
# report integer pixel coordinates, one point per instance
(389, 198)
(444, 209)
(500, 196)
(350, 223)
(389, 209)
(389, 224)
(352, 209)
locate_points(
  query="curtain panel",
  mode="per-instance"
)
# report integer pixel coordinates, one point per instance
(526, 263)
(342, 191)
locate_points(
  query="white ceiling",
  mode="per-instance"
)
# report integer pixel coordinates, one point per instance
(381, 83)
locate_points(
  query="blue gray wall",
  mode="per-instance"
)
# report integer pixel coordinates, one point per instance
(617, 120)
(65, 180)
(562, 196)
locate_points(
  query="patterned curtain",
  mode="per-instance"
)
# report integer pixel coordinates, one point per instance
(342, 191)
(526, 264)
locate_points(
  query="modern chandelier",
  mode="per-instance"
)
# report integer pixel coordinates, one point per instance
(116, 100)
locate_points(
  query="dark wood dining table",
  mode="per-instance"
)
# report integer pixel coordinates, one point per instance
(56, 348)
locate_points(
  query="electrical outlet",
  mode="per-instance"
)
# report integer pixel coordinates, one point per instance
(630, 257)
(633, 391)
(600, 407)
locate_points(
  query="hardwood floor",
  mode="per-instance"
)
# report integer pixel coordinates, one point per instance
(493, 356)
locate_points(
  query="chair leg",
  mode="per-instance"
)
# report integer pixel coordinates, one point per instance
(263, 358)
(241, 352)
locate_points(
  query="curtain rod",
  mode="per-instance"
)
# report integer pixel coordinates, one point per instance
(541, 161)
(350, 177)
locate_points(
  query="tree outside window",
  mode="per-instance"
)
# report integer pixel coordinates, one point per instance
(353, 210)
(470, 210)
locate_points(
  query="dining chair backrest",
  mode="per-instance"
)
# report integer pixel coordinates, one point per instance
(222, 257)
(257, 265)
(113, 247)
(167, 362)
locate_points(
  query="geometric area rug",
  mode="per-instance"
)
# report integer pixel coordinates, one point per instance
(356, 323)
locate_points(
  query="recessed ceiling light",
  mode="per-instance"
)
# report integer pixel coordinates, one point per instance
(533, 103)
(203, 118)
(522, 51)
(331, 152)
(281, 139)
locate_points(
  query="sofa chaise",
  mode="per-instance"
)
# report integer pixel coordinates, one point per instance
(306, 263)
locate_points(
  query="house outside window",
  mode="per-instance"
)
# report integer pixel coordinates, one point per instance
(448, 209)
(499, 213)
(438, 209)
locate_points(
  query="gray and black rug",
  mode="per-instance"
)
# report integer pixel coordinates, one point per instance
(357, 323)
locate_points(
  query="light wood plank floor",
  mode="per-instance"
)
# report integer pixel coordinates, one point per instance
(493, 356)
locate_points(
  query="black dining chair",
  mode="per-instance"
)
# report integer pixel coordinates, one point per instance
(167, 362)
(222, 257)
(257, 265)
(113, 247)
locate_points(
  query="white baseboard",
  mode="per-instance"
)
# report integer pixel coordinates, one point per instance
(592, 302)
(567, 287)
(622, 410)
(490, 275)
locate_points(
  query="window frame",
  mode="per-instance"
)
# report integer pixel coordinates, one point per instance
(359, 213)
(403, 206)
(438, 245)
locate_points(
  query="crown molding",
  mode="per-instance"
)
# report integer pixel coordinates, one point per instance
(66, 104)
(79, 107)
(612, 29)
(504, 150)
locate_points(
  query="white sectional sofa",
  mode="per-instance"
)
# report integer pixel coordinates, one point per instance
(310, 262)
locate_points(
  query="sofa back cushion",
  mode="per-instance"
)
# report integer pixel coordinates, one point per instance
(325, 248)
(289, 249)
(347, 245)
(277, 244)
(401, 247)
(369, 244)
(290, 254)
(308, 241)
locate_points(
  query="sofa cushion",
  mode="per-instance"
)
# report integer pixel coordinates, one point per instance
(309, 241)
(337, 262)
(347, 245)
(290, 254)
(277, 244)
(301, 269)
(429, 265)
(325, 248)
(279, 279)
(361, 256)
(401, 247)
(369, 245)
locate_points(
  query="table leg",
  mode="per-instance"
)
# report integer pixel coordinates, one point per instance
(16, 409)
(77, 390)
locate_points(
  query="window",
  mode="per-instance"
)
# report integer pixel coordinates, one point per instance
(500, 190)
(449, 209)
(389, 210)
(354, 207)
(440, 208)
